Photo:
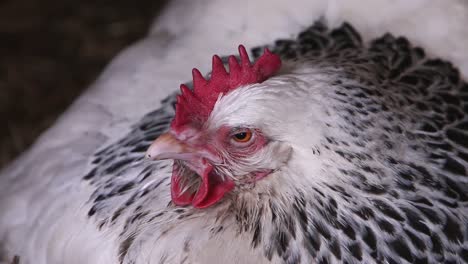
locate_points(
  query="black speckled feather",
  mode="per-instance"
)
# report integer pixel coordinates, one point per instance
(416, 213)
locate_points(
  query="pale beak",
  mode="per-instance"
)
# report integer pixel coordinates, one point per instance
(166, 146)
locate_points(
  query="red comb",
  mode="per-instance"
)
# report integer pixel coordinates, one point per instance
(197, 105)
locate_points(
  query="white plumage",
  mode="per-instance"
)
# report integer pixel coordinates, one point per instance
(45, 203)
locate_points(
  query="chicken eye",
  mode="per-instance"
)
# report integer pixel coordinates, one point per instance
(242, 136)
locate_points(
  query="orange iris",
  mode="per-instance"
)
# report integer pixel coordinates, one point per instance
(243, 136)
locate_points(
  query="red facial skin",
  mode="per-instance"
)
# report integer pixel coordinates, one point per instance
(201, 151)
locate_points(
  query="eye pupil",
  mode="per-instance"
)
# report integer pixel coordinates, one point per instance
(241, 135)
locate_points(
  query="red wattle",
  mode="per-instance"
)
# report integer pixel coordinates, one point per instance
(177, 196)
(212, 189)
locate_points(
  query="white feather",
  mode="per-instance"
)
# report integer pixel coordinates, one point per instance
(42, 198)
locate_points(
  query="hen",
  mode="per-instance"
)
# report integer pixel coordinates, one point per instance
(324, 150)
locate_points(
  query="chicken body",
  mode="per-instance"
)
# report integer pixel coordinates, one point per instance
(367, 147)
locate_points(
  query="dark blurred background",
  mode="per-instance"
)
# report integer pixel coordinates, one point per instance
(50, 51)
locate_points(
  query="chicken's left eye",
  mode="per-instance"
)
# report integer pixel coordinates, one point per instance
(243, 136)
